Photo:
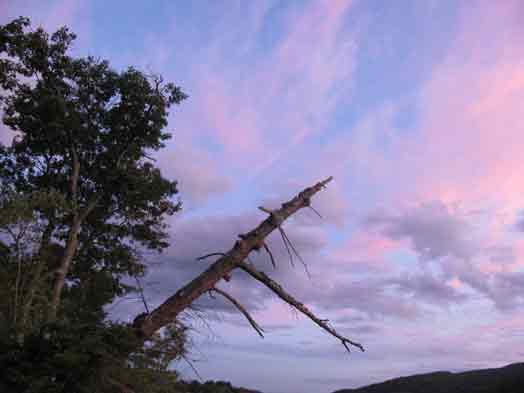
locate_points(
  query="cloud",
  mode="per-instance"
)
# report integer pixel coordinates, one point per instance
(461, 249)
(367, 296)
(198, 174)
(52, 15)
(257, 111)
(365, 251)
(470, 132)
(433, 229)
(503, 288)
(362, 330)
(519, 224)
(429, 288)
(508, 290)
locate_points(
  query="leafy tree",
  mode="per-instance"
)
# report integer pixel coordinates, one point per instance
(79, 199)
(84, 134)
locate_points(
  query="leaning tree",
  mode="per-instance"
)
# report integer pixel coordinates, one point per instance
(81, 198)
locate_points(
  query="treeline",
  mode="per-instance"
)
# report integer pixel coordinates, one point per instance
(211, 387)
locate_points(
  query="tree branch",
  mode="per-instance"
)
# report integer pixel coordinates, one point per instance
(242, 309)
(141, 291)
(282, 294)
(268, 250)
(74, 180)
(69, 253)
(175, 304)
(213, 254)
(285, 238)
(316, 212)
(283, 235)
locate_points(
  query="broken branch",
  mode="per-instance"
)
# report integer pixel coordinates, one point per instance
(282, 294)
(315, 210)
(266, 247)
(242, 309)
(168, 311)
(285, 238)
(283, 235)
(213, 254)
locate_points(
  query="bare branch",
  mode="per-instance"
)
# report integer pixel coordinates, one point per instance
(242, 309)
(282, 294)
(277, 219)
(312, 208)
(178, 302)
(141, 291)
(266, 247)
(286, 239)
(265, 210)
(283, 235)
(213, 254)
(188, 361)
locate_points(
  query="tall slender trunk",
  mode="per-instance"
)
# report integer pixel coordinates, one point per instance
(72, 238)
(69, 254)
(61, 273)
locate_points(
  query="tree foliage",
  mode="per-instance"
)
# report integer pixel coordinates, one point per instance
(79, 200)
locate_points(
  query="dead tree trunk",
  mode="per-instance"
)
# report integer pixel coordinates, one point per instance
(235, 258)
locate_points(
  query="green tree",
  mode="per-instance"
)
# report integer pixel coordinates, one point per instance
(84, 132)
(79, 199)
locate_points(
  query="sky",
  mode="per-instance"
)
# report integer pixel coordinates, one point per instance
(415, 109)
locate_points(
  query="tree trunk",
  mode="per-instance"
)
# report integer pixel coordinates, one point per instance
(61, 273)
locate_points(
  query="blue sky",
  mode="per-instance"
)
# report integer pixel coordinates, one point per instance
(413, 106)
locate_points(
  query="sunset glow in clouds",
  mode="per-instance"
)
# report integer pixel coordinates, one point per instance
(415, 108)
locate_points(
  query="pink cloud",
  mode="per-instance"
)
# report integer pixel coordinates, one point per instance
(471, 109)
(467, 153)
(367, 250)
(469, 150)
(199, 179)
(276, 314)
(50, 15)
(260, 111)
(455, 283)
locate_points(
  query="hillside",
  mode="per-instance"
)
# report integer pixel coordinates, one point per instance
(211, 387)
(508, 379)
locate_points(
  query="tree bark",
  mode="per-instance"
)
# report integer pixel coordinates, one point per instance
(72, 237)
(61, 273)
(67, 259)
